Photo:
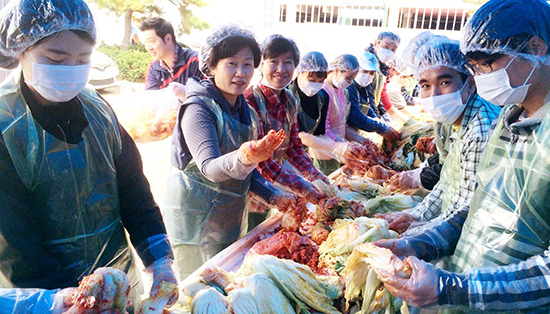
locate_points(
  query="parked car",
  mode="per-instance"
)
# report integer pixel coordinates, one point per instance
(103, 71)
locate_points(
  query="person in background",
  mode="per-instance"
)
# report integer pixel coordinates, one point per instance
(215, 152)
(72, 181)
(171, 62)
(384, 48)
(449, 95)
(363, 111)
(311, 73)
(278, 110)
(499, 245)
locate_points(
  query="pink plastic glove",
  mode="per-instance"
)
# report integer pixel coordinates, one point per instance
(253, 152)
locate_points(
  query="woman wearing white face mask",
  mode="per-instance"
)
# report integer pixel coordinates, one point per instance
(72, 178)
(364, 114)
(314, 103)
(341, 73)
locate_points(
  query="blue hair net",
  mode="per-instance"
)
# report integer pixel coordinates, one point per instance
(439, 51)
(368, 61)
(215, 38)
(25, 22)
(344, 63)
(313, 61)
(506, 26)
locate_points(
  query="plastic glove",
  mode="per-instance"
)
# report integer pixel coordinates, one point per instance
(347, 150)
(399, 247)
(406, 180)
(162, 271)
(426, 145)
(283, 200)
(420, 289)
(310, 193)
(178, 90)
(398, 221)
(253, 152)
(391, 134)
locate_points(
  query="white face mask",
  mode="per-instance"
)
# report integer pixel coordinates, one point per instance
(364, 79)
(385, 55)
(310, 88)
(445, 108)
(58, 83)
(495, 87)
(341, 83)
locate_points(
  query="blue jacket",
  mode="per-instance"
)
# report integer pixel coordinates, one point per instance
(361, 102)
(186, 66)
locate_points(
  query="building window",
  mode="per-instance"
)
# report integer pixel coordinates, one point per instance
(432, 18)
(351, 15)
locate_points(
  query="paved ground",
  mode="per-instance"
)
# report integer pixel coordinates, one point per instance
(155, 155)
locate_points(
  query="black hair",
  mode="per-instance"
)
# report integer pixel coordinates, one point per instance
(277, 45)
(231, 46)
(161, 26)
(319, 74)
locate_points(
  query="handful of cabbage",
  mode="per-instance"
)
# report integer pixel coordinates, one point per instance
(391, 203)
(296, 281)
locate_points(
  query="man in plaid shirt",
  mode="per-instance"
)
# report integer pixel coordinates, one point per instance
(278, 109)
(448, 93)
(499, 246)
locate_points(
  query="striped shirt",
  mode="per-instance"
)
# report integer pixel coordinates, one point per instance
(506, 281)
(478, 116)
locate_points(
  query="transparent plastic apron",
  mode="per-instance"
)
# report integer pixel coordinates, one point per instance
(271, 123)
(449, 182)
(203, 216)
(308, 122)
(509, 220)
(74, 187)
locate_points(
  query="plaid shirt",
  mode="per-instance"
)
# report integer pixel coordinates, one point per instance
(478, 116)
(295, 154)
(510, 278)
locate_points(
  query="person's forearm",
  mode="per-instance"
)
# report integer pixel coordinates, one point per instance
(513, 287)
(320, 142)
(439, 237)
(261, 187)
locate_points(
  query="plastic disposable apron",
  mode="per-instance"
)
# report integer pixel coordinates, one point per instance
(270, 123)
(338, 110)
(449, 182)
(73, 186)
(202, 213)
(308, 122)
(509, 219)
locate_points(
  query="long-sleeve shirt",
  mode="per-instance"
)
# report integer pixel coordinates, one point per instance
(507, 286)
(478, 116)
(184, 66)
(295, 154)
(357, 118)
(20, 235)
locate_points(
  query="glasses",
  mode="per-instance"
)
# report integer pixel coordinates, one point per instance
(485, 66)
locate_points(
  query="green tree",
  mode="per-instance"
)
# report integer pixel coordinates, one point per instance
(189, 20)
(124, 8)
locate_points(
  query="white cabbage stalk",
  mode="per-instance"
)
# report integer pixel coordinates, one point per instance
(241, 301)
(295, 280)
(209, 301)
(269, 299)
